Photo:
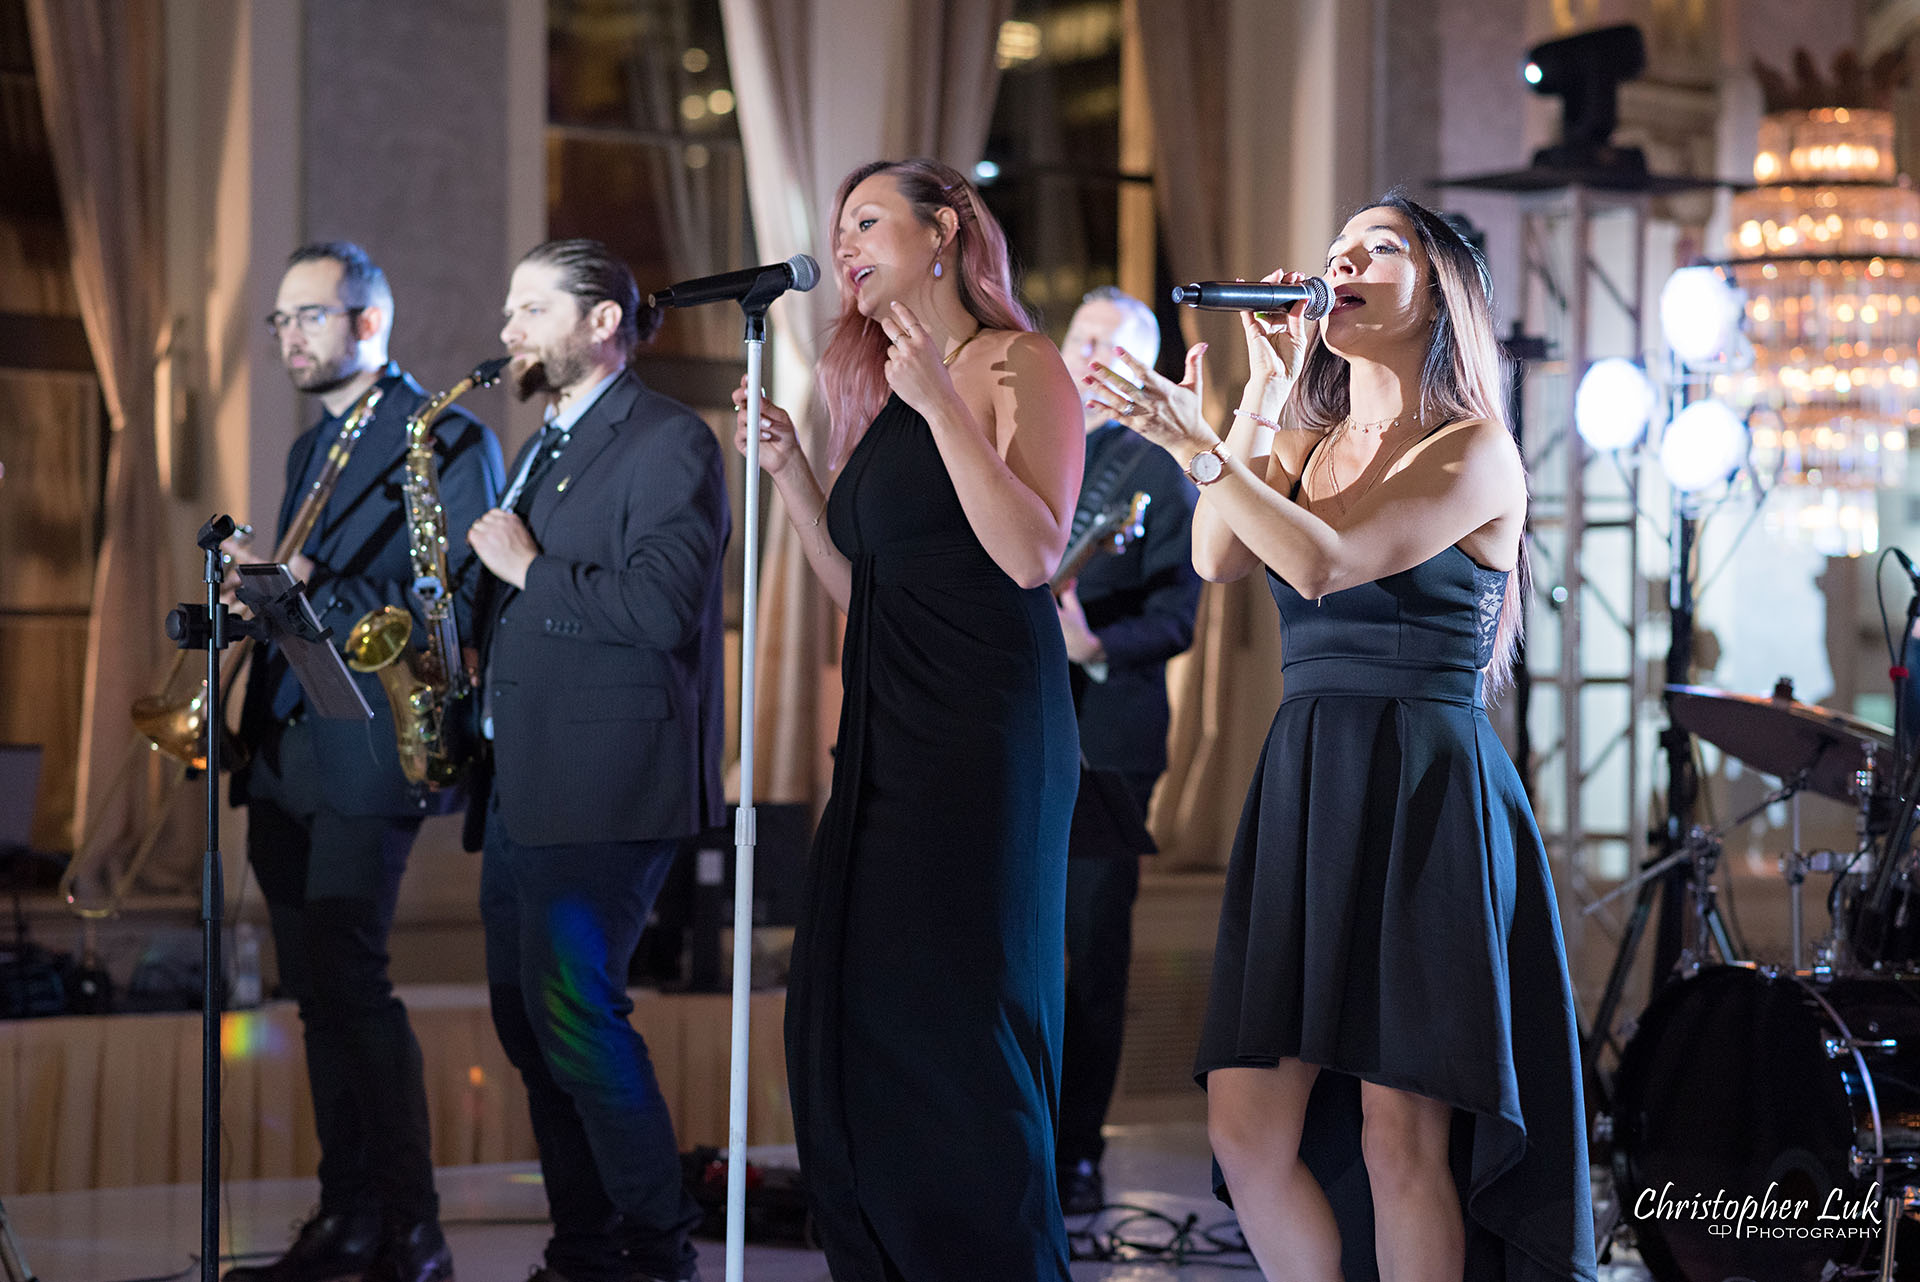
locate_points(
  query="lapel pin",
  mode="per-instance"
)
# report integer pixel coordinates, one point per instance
(564, 483)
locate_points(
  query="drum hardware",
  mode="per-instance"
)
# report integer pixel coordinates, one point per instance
(1894, 1207)
(1786, 739)
(1759, 1081)
(1701, 851)
(1838, 1046)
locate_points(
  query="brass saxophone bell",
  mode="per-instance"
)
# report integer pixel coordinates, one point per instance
(378, 638)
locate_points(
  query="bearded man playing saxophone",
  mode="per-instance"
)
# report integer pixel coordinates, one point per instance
(330, 818)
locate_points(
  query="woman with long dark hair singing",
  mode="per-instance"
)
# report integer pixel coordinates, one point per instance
(1390, 1052)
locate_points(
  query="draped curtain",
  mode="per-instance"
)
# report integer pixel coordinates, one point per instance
(98, 67)
(1193, 815)
(823, 86)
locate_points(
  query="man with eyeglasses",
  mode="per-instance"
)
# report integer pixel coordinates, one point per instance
(330, 817)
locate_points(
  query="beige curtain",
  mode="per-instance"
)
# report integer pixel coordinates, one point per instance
(823, 86)
(1194, 812)
(98, 67)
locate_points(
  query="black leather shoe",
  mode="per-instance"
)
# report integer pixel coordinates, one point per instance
(417, 1253)
(1082, 1191)
(328, 1248)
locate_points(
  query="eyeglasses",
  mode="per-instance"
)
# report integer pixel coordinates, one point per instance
(310, 318)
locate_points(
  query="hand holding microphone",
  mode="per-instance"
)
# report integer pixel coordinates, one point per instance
(1278, 292)
(1279, 339)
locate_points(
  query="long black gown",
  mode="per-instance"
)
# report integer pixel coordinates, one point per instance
(1389, 916)
(925, 1004)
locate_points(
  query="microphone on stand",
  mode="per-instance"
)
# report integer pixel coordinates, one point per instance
(753, 287)
(1907, 565)
(1257, 296)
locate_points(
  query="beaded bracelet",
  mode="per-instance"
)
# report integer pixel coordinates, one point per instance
(1261, 419)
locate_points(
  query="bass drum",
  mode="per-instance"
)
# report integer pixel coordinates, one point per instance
(1738, 1079)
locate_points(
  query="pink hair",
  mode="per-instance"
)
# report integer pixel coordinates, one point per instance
(853, 379)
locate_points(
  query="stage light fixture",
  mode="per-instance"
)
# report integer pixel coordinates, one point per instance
(1702, 446)
(1701, 312)
(1585, 72)
(1613, 404)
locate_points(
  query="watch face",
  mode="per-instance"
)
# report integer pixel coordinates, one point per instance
(1204, 467)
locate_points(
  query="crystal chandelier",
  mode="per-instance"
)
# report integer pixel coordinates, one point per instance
(1827, 248)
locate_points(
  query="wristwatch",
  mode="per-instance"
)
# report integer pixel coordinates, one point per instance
(1209, 465)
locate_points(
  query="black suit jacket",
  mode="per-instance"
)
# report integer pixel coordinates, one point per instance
(361, 561)
(1140, 604)
(605, 674)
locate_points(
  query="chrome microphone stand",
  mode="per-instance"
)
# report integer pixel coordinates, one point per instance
(761, 288)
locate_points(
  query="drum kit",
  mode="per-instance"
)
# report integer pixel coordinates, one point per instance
(1793, 1090)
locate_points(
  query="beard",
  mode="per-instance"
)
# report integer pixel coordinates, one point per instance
(555, 369)
(323, 376)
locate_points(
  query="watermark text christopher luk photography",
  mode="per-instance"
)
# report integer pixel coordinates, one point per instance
(1770, 1216)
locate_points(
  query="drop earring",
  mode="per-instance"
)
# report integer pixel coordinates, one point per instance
(938, 271)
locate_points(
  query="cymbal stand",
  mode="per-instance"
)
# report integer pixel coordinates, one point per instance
(1795, 868)
(1708, 925)
(1701, 846)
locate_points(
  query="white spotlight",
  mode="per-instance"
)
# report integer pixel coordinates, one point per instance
(1702, 446)
(1613, 404)
(1700, 313)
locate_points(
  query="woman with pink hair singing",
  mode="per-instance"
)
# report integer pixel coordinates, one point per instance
(925, 1006)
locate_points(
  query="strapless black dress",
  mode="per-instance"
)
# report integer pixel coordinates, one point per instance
(1389, 916)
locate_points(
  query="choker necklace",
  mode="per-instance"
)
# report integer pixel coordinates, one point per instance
(1383, 426)
(949, 357)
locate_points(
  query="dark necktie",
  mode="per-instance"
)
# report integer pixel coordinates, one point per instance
(547, 450)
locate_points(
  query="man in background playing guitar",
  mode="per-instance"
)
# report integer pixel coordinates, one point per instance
(1123, 617)
(330, 817)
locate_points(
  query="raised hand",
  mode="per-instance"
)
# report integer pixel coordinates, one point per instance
(914, 368)
(1277, 342)
(1165, 412)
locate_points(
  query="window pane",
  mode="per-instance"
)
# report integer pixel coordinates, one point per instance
(651, 65)
(673, 210)
(1053, 176)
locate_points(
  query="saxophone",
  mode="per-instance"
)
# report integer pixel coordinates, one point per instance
(428, 689)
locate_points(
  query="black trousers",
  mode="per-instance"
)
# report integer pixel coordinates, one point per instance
(562, 923)
(1100, 894)
(331, 881)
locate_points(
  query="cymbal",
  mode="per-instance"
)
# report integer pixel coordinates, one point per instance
(1783, 738)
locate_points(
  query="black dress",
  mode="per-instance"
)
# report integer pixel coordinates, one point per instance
(924, 1007)
(1389, 916)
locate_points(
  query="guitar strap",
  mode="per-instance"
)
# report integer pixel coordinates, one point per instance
(1117, 465)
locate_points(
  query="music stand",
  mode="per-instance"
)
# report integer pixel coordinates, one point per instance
(282, 615)
(282, 606)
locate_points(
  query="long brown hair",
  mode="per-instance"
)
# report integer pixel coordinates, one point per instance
(853, 379)
(1463, 377)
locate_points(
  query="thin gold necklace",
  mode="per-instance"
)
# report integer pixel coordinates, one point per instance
(1373, 465)
(949, 357)
(1384, 426)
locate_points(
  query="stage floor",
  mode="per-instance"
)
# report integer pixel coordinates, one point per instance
(495, 1217)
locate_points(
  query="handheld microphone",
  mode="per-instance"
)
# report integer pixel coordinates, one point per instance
(754, 287)
(1257, 296)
